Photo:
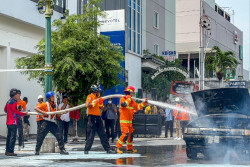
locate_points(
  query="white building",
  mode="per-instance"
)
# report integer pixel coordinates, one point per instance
(21, 28)
(223, 33)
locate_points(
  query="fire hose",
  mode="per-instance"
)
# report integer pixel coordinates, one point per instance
(156, 103)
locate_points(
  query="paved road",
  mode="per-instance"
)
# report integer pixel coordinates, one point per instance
(151, 152)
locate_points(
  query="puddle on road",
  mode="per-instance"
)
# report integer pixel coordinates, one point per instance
(159, 156)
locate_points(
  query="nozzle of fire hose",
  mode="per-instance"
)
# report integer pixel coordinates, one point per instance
(123, 104)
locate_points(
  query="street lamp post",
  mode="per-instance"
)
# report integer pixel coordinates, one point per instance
(48, 58)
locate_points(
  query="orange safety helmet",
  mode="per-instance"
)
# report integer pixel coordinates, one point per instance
(130, 89)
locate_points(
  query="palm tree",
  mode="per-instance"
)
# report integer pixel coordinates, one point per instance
(219, 60)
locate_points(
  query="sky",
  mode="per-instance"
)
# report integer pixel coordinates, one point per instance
(242, 21)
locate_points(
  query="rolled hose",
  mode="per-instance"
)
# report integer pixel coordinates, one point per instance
(160, 104)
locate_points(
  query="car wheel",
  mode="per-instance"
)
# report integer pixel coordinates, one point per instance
(191, 153)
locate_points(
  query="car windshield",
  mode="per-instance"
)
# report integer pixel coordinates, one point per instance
(182, 88)
(221, 122)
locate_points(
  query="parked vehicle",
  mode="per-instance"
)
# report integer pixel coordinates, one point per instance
(223, 123)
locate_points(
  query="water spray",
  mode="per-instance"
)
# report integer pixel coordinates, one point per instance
(19, 70)
(156, 103)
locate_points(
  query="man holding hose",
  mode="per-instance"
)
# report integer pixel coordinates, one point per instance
(94, 124)
(48, 123)
(127, 108)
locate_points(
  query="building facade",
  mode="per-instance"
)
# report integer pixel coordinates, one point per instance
(150, 25)
(223, 33)
(21, 28)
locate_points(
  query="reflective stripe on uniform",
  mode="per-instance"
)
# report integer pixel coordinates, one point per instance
(129, 143)
(131, 108)
(101, 105)
(127, 103)
(124, 121)
(93, 104)
(119, 141)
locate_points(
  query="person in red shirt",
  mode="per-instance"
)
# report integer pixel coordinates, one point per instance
(94, 124)
(12, 111)
(48, 123)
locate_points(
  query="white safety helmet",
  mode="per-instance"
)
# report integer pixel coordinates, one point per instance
(40, 97)
(177, 99)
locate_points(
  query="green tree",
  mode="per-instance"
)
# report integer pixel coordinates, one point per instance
(219, 60)
(80, 57)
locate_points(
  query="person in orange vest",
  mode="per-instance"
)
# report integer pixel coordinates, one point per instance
(21, 106)
(184, 120)
(39, 117)
(127, 108)
(48, 123)
(94, 124)
(177, 118)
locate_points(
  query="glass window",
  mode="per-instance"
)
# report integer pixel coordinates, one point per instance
(134, 26)
(129, 39)
(156, 49)
(156, 20)
(138, 23)
(134, 41)
(138, 2)
(129, 17)
(134, 20)
(138, 44)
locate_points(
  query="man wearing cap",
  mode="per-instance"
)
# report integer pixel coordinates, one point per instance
(11, 120)
(127, 108)
(48, 123)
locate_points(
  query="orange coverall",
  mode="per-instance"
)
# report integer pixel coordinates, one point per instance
(126, 117)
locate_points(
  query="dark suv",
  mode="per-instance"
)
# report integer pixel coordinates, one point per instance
(223, 123)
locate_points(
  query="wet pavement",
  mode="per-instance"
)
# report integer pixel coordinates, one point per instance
(151, 152)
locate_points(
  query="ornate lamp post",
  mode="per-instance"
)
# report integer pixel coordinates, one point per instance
(49, 5)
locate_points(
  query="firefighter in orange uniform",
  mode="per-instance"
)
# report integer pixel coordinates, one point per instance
(21, 106)
(39, 118)
(127, 108)
(184, 119)
(177, 118)
(94, 124)
(48, 123)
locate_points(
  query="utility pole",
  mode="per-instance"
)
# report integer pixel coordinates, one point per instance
(48, 58)
(202, 45)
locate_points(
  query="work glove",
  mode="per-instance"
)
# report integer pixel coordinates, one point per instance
(100, 100)
(145, 102)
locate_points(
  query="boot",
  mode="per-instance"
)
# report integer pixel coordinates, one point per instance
(111, 152)
(132, 151)
(10, 154)
(37, 153)
(118, 151)
(86, 152)
(64, 152)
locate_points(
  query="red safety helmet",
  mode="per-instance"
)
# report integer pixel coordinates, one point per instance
(130, 89)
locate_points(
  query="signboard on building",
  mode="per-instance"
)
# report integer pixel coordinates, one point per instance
(113, 26)
(235, 37)
(114, 20)
(169, 55)
(238, 84)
